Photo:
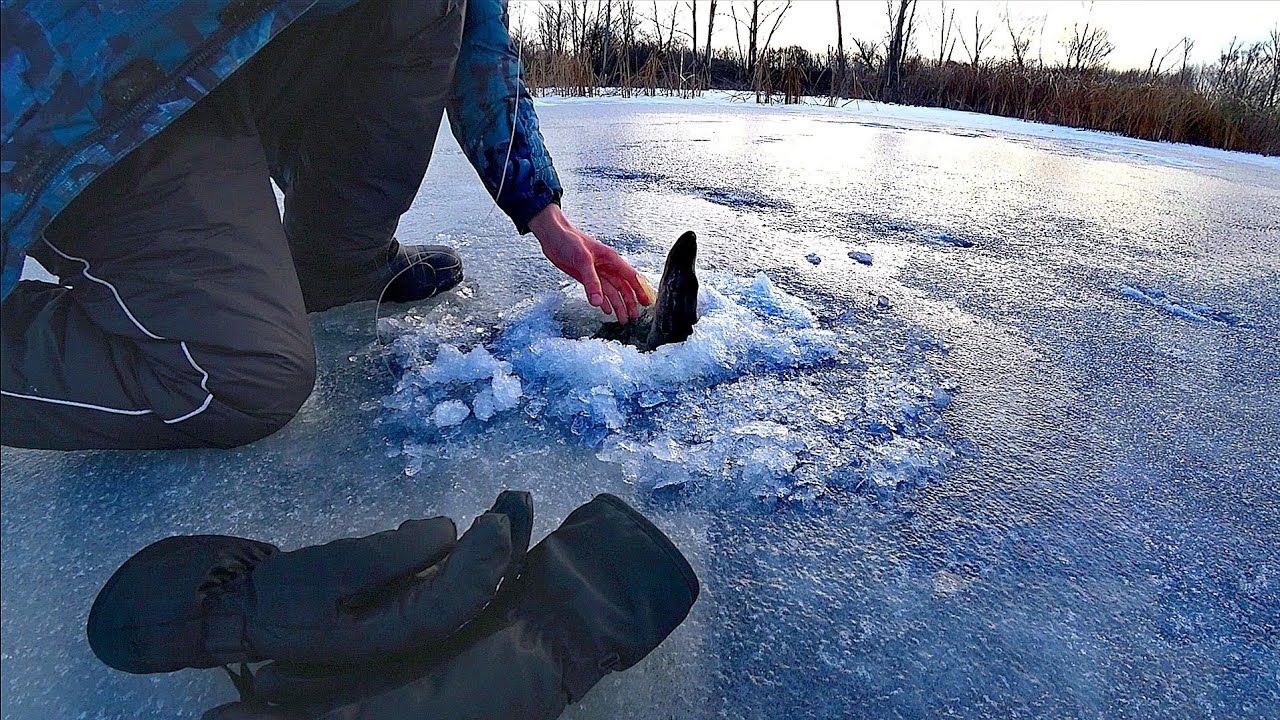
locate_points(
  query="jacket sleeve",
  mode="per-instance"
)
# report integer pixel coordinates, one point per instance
(492, 117)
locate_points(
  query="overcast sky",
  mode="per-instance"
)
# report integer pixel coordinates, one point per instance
(1136, 26)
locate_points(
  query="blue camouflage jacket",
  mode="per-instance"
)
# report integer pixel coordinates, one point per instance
(86, 81)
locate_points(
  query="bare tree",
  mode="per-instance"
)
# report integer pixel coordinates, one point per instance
(737, 35)
(664, 30)
(1187, 45)
(841, 65)
(761, 13)
(1249, 75)
(1087, 47)
(1226, 62)
(1273, 50)
(980, 41)
(902, 17)
(782, 12)
(946, 41)
(753, 40)
(868, 53)
(606, 37)
(570, 19)
(711, 25)
(628, 24)
(1154, 67)
(1019, 38)
(1044, 20)
(551, 27)
(693, 8)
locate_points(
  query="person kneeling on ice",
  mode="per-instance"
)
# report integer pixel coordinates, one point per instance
(138, 144)
(408, 624)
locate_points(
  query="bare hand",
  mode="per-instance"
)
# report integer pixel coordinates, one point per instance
(610, 282)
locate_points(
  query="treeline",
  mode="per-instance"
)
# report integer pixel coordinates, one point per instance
(586, 47)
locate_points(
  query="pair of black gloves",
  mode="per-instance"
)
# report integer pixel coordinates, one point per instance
(408, 624)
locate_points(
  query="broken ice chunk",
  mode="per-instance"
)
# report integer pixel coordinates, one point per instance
(450, 412)
(483, 405)
(451, 365)
(604, 408)
(506, 391)
(651, 399)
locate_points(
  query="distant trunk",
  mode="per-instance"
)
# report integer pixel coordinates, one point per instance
(753, 33)
(944, 35)
(606, 36)
(1275, 67)
(711, 24)
(906, 38)
(840, 63)
(693, 6)
(899, 34)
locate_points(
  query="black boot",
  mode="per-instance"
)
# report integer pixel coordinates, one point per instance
(415, 272)
(422, 271)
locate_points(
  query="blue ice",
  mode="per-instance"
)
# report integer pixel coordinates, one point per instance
(962, 483)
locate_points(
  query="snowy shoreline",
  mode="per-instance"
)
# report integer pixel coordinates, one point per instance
(914, 117)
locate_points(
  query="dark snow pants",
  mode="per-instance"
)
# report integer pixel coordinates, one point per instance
(180, 319)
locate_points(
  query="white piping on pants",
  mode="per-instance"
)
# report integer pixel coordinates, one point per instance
(204, 380)
(204, 385)
(87, 406)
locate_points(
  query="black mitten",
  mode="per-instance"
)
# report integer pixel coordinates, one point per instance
(596, 595)
(205, 600)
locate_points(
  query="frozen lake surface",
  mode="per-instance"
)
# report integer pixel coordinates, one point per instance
(980, 421)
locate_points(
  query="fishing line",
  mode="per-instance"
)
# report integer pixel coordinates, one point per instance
(506, 164)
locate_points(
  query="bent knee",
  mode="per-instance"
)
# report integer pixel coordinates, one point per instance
(254, 396)
(271, 390)
(284, 386)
